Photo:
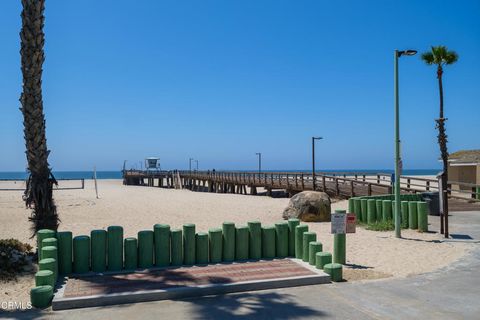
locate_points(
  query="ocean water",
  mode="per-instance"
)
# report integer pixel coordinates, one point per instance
(118, 174)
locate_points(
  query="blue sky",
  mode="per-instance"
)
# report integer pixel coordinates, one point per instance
(221, 80)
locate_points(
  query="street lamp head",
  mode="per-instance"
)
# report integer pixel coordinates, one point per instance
(408, 52)
(317, 138)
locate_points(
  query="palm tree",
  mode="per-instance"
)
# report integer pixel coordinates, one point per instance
(441, 56)
(38, 194)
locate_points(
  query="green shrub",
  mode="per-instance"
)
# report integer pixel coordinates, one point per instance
(14, 257)
(388, 225)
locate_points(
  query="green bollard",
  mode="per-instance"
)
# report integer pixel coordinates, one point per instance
(241, 241)
(255, 240)
(364, 205)
(412, 215)
(378, 210)
(43, 234)
(45, 278)
(299, 231)
(48, 264)
(145, 249)
(357, 208)
(215, 241)
(339, 248)
(334, 270)
(404, 206)
(281, 239)
(99, 250)
(307, 238)
(115, 248)
(268, 242)
(161, 235)
(228, 241)
(387, 210)
(351, 205)
(313, 249)
(177, 247)
(189, 255)
(81, 254)
(292, 223)
(201, 248)
(130, 246)
(371, 210)
(51, 252)
(422, 213)
(49, 242)
(41, 296)
(64, 252)
(322, 258)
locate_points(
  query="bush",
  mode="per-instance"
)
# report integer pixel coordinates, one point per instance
(14, 257)
(387, 225)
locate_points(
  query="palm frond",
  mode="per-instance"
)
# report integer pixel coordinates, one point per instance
(439, 55)
(427, 57)
(451, 57)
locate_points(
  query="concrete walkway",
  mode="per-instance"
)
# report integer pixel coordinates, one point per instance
(450, 293)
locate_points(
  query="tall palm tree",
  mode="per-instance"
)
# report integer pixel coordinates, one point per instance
(441, 56)
(38, 194)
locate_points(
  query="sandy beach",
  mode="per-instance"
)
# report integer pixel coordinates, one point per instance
(370, 255)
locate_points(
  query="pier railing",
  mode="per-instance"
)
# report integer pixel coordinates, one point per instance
(345, 184)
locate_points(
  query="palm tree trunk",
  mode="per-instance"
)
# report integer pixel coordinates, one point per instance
(442, 142)
(38, 194)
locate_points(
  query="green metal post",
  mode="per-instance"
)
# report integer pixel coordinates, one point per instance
(397, 150)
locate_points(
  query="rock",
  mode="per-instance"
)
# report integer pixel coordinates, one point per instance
(309, 206)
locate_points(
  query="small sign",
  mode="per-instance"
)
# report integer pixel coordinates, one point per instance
(351, 222)
(339, 223)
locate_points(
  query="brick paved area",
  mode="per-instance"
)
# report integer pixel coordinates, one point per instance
(183, 277)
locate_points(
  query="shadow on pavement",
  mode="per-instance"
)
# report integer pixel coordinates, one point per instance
(252, 305)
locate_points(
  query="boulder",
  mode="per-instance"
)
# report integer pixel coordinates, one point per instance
(309, 206)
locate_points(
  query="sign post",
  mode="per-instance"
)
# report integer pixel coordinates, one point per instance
(342, 223)
(339, 228)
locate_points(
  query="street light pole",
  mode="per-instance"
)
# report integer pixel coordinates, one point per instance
(196, 161)
(398, 208)
(190, 164)
(313, 161)
(259, 154)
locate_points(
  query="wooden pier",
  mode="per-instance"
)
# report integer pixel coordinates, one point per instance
(338, 184)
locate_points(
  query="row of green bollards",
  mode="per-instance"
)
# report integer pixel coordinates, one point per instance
(414, 214)
(310, 251)
(48, 256)
(108, 250)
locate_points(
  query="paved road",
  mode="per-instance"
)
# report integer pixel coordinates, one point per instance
(450, 293)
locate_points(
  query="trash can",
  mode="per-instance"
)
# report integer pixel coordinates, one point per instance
(433, 202)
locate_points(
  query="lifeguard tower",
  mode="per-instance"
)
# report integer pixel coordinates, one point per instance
(152, 164)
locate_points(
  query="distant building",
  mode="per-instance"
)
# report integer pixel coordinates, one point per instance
(464, 166)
